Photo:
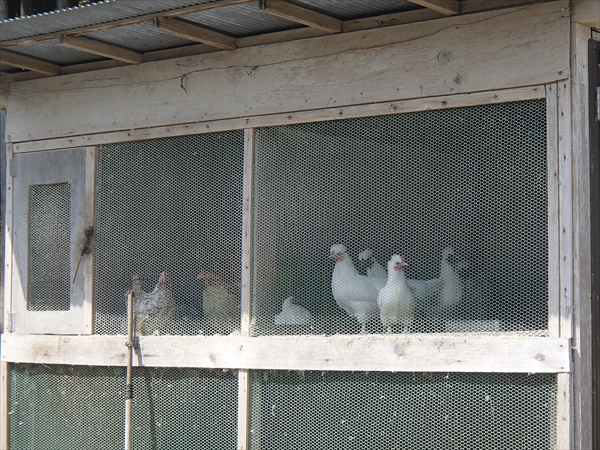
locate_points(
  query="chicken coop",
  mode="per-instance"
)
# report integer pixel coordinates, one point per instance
(344, 224)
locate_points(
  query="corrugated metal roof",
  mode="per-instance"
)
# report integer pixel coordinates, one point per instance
(59, 55)
(355, 9)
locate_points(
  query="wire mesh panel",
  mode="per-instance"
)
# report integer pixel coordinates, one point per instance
(49, 284)
(169, 226)
(460, 193)
(335, 410)
(68, 407)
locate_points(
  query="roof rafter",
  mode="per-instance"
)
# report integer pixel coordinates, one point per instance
(29, 63)
(301, 15)
(100, 48)
(448, 7)
(195, 33)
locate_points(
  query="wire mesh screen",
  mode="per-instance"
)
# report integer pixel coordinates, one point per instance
(461, 194)
(169, 226)
(334, 410)
(75, 407)
(49, 284)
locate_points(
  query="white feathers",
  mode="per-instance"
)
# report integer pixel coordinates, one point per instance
(395, 300)
(354, 293)
(375, 269)
(293, 314)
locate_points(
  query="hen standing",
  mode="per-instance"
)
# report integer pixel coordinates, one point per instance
(395, 300)
(354, 293)
(152, 310)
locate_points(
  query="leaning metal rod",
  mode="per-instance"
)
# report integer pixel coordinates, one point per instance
(129, 385)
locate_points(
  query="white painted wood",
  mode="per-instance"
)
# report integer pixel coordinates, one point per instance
(8, 247)
(243, 422)
(398, 107)
(247, 227)
(582, 277)
(564, 425)
(410, 353)
(478, 52)
(88, 262)
(47, 168)
(553, 212)
(4, 405)
(565, 195)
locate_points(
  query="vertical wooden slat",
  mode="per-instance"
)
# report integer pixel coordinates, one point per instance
(88, 268)
(8, 258)
(564, 418)
(553, 212)
(4, 441)
(243, 422)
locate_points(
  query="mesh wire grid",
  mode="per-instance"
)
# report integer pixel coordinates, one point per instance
(335, 410)
(473, 179)
(172, 204)
(68, 407)
(49, 284)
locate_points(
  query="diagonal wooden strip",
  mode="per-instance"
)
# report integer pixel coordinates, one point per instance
(301, 15)
(100, 48)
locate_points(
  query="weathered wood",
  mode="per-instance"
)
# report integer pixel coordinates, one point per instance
(4, 405)
(85, 44)
(243, 422)
(553, 212)
(194, 33)
(8, 244)
(564, 420)
(301, 15)
(582, 238)
(247, 233)
(399, 107)
(449, 7)
(491, 50)
(88, 263)
(586, 12)
(412, 353)
(565, 195)
(29, 63)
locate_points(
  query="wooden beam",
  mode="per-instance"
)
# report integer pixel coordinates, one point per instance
(301, 15)
(448, 7)
(96, 47)
(195, 33)
(28, 63)
(397, 353)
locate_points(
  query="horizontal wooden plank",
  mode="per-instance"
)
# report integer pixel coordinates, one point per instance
(443, 102)
(404, 353)
(443, 6)
(95, 47)
(490, 50)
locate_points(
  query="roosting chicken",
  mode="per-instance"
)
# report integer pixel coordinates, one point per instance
(395, 300)
(375, 269)
(152, 310)
(354, 293)
(217, 299)
(293, 314)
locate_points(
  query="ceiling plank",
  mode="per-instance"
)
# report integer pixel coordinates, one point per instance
(28, 63)
(448, 7)
(301, 15)
(96, 47)
(195, 33)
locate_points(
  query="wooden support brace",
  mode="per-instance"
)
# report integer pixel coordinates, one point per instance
(448, 7)
(301, 15)
(96, 47)
(195, 33)
(28, 63)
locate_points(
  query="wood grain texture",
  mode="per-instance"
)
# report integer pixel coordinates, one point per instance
(95, 47)
(376, 109)
(553, 211)
(418, 353)
(491, 50)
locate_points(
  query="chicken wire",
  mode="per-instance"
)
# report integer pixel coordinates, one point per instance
(49, 260)
(472, 179)
(335, 410)
(173, 204)
(68, 407)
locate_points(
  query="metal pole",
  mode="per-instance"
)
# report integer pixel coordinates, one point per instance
(129, 385)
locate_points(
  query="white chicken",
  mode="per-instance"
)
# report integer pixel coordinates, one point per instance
(218, 302)
(395, 300)
(375, 269)
(293, 314)
(152, 310)
(354, 293)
